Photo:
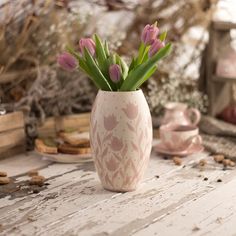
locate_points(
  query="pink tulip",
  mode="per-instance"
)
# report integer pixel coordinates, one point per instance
(89, 44)
(67, 61)
(115, 73)
(110, 122)
(149, 34)
(155, 47)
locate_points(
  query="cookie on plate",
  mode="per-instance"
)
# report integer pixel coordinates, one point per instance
(68, 149)
(46, 146)
(76, 139)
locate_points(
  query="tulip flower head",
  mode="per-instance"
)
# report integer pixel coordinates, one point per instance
(67, 61)
(89, 44)
(149, 34)
(110, 72)
(155, 47)
(115, 73)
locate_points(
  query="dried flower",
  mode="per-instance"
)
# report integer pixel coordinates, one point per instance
(67, 61)
(89, 44)
(115, 73)
(149, 34)
(155, 47)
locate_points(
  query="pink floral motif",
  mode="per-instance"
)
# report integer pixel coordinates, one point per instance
(112, 164)
(110, 122)
(131, 111)
(116, 144)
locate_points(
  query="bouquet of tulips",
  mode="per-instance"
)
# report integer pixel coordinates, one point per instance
(108, 70)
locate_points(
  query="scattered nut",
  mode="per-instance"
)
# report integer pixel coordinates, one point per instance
(177, 161)
(219, 180)
(219, 158)
(202, 162)
(226, 162)
(33, 173)
(31, 218)
(232, 163)
(37, 180)
(36, 191)
(219, 220)
(205, 179)
(4, 180)
(195, 228)
(3, 174)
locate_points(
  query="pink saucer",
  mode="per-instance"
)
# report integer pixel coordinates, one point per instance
(195, 148)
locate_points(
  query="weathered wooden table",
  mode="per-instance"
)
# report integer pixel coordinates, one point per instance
(172, 200)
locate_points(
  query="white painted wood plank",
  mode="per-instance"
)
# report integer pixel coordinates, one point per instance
(212, 214)
(80, 211)
(125, 213)
(77, 190)
(22, 163)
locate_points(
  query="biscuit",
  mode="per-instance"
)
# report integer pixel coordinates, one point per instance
(75, 139)
(4, 180)
(42, 147)
(68, 149)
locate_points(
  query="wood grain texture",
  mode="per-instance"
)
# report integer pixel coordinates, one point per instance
(172, 200)
(11, 121)
(12, 138)
(72, 122)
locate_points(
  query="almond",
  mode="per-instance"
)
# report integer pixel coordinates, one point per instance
(219, 158)
(3, 174)
(232, 163)
(202, 162)
(226, 162)
(33, 173)
(37, 180)
(177, 161)
(4, 180)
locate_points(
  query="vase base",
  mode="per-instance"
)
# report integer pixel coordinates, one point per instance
(120, 190)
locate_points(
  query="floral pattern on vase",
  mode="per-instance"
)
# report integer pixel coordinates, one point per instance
(121, 138)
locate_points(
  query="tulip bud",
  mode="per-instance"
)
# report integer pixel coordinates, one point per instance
(115, 73)
(89, 44)
(67, 61)
(149, 34)
(155, 47)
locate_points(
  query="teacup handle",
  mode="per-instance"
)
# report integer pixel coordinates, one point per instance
(197, 115)
(194, 140)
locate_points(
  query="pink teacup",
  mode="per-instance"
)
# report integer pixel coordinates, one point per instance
(179, 137)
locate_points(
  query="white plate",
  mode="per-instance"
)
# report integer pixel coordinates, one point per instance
(196, 148)
(67, 158)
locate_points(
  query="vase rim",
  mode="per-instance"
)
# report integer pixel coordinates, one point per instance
(121, 92)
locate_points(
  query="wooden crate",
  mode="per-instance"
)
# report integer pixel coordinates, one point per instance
(218, 88)
(53, 125)
(12, 134)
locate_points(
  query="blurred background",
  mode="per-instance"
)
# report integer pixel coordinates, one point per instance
(199, 72)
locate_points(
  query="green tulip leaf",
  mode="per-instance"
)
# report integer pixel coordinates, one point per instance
(141, 51)
(106, 48)
(132, 64)
(163, 36)
(100, 52)
(136, 77)
(147, 75)
(124, 68)
(98, 77)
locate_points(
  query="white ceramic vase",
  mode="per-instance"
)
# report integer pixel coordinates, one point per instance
(121, 138)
